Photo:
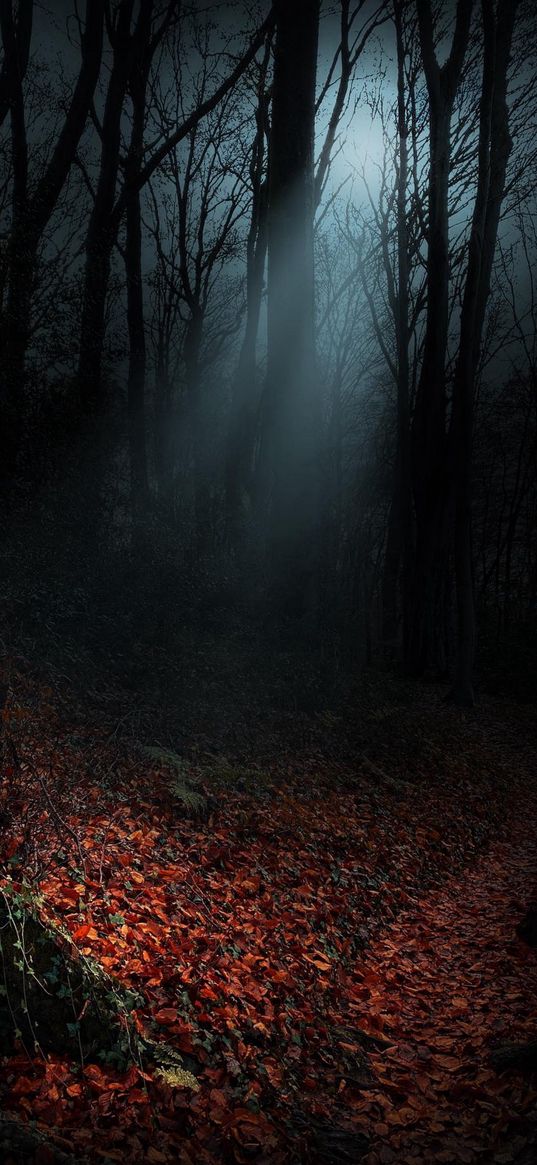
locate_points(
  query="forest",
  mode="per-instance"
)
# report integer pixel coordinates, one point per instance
(268, 617)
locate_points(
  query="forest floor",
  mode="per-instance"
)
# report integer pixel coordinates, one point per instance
(331, 939)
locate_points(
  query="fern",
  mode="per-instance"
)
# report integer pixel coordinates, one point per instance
(178, 1078)
(164, 756)
(177, 785)
(180, 792)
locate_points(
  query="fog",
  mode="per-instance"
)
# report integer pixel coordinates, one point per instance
(232, 417)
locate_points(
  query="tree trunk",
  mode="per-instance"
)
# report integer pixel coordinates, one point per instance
(197, 431)
(16, 328)
(244, 404)
(494, 150)
(396, 574)
(288, 470)
(137, 364)
(100, 240)
(32, 212)
(429, 470)
(426, 651)
(102, 231)
(244, 408)
(133, 269)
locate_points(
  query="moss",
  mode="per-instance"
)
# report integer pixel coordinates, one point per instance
(60, 1001)
(54, 999)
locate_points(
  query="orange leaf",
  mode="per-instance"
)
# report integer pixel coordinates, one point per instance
(218, 1097)
(137, 1096)
(74, 1089)
(208, 993)
(83, 931)
(166, 1015)
(321, 964)
(24, 1086)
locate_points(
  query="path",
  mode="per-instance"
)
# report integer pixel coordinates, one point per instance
(443, 984)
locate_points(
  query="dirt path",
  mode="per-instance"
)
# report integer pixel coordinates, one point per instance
(446, 982)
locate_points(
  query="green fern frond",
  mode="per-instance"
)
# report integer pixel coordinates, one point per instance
(187, 796)
(176, 784)
(164, 756)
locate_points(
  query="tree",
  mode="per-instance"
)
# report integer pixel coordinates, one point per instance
(397, 559)
(353, 38)
(387, 238)
(148, 39)
(493, 155)
(33, 205)
(129, 47)
(198, 212)
(426, 647)
(288, 474)
(245, 399)
(110, 203)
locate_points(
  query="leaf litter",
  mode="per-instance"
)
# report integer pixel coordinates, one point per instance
(335, 954)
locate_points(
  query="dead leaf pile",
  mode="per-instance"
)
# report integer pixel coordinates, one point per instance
(303, 925)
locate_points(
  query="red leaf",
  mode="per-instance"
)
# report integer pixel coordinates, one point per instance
(166, 1015)
(74, 1089)
(82, 931)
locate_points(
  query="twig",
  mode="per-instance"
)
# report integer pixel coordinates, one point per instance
(54, 812)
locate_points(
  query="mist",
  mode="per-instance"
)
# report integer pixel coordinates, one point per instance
(189, 428)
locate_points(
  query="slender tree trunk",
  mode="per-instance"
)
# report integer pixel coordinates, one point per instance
(396, 575)
(137, 361)
(197, 431)
(16, 339)
(16, 41)
(32, 210)
(245, 402)
(163, 445)
(494, 150)
(22, 246)
(429, 470)
(287, 458)
(133, 269)
(100, 240)
(426, 650)
(241, 444)
(102, 227)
